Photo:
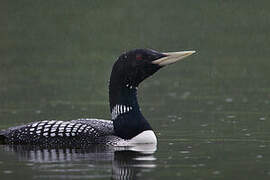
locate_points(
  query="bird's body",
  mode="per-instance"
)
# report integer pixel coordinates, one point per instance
(63, 133)
(127, 127)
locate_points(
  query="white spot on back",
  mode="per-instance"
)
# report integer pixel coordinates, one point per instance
(62, 125)
(55, 126)
(70, 125)
(51, 122)
(34, 125)
(77, 125)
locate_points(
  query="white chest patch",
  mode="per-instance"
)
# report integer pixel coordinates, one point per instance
(120, 109)
(146, 137)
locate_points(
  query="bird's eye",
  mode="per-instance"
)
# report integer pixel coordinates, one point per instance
(139, 57)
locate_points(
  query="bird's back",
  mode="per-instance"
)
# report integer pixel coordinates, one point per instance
(81, 132)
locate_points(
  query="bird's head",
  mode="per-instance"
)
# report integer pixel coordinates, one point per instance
(136, 65)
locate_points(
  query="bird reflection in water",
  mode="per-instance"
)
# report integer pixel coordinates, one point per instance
(91, 163)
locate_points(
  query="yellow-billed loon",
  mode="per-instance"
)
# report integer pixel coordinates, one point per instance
(128, 125)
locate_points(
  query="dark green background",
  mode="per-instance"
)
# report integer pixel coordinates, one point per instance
(56, 58)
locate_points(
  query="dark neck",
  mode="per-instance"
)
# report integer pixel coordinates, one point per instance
(128, 120)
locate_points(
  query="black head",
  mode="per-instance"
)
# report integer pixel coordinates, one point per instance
(134, 66)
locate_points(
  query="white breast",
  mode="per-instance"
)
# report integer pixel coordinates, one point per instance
(146, 137)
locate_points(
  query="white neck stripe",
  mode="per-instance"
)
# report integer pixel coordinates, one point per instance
(120, 109)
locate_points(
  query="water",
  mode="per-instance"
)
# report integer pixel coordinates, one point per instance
(210, 111)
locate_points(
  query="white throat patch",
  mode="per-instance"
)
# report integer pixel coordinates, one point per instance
(120, 109)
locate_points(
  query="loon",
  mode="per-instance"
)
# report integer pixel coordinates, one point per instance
(127, 126)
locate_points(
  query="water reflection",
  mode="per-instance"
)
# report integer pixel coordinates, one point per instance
(91, 163)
